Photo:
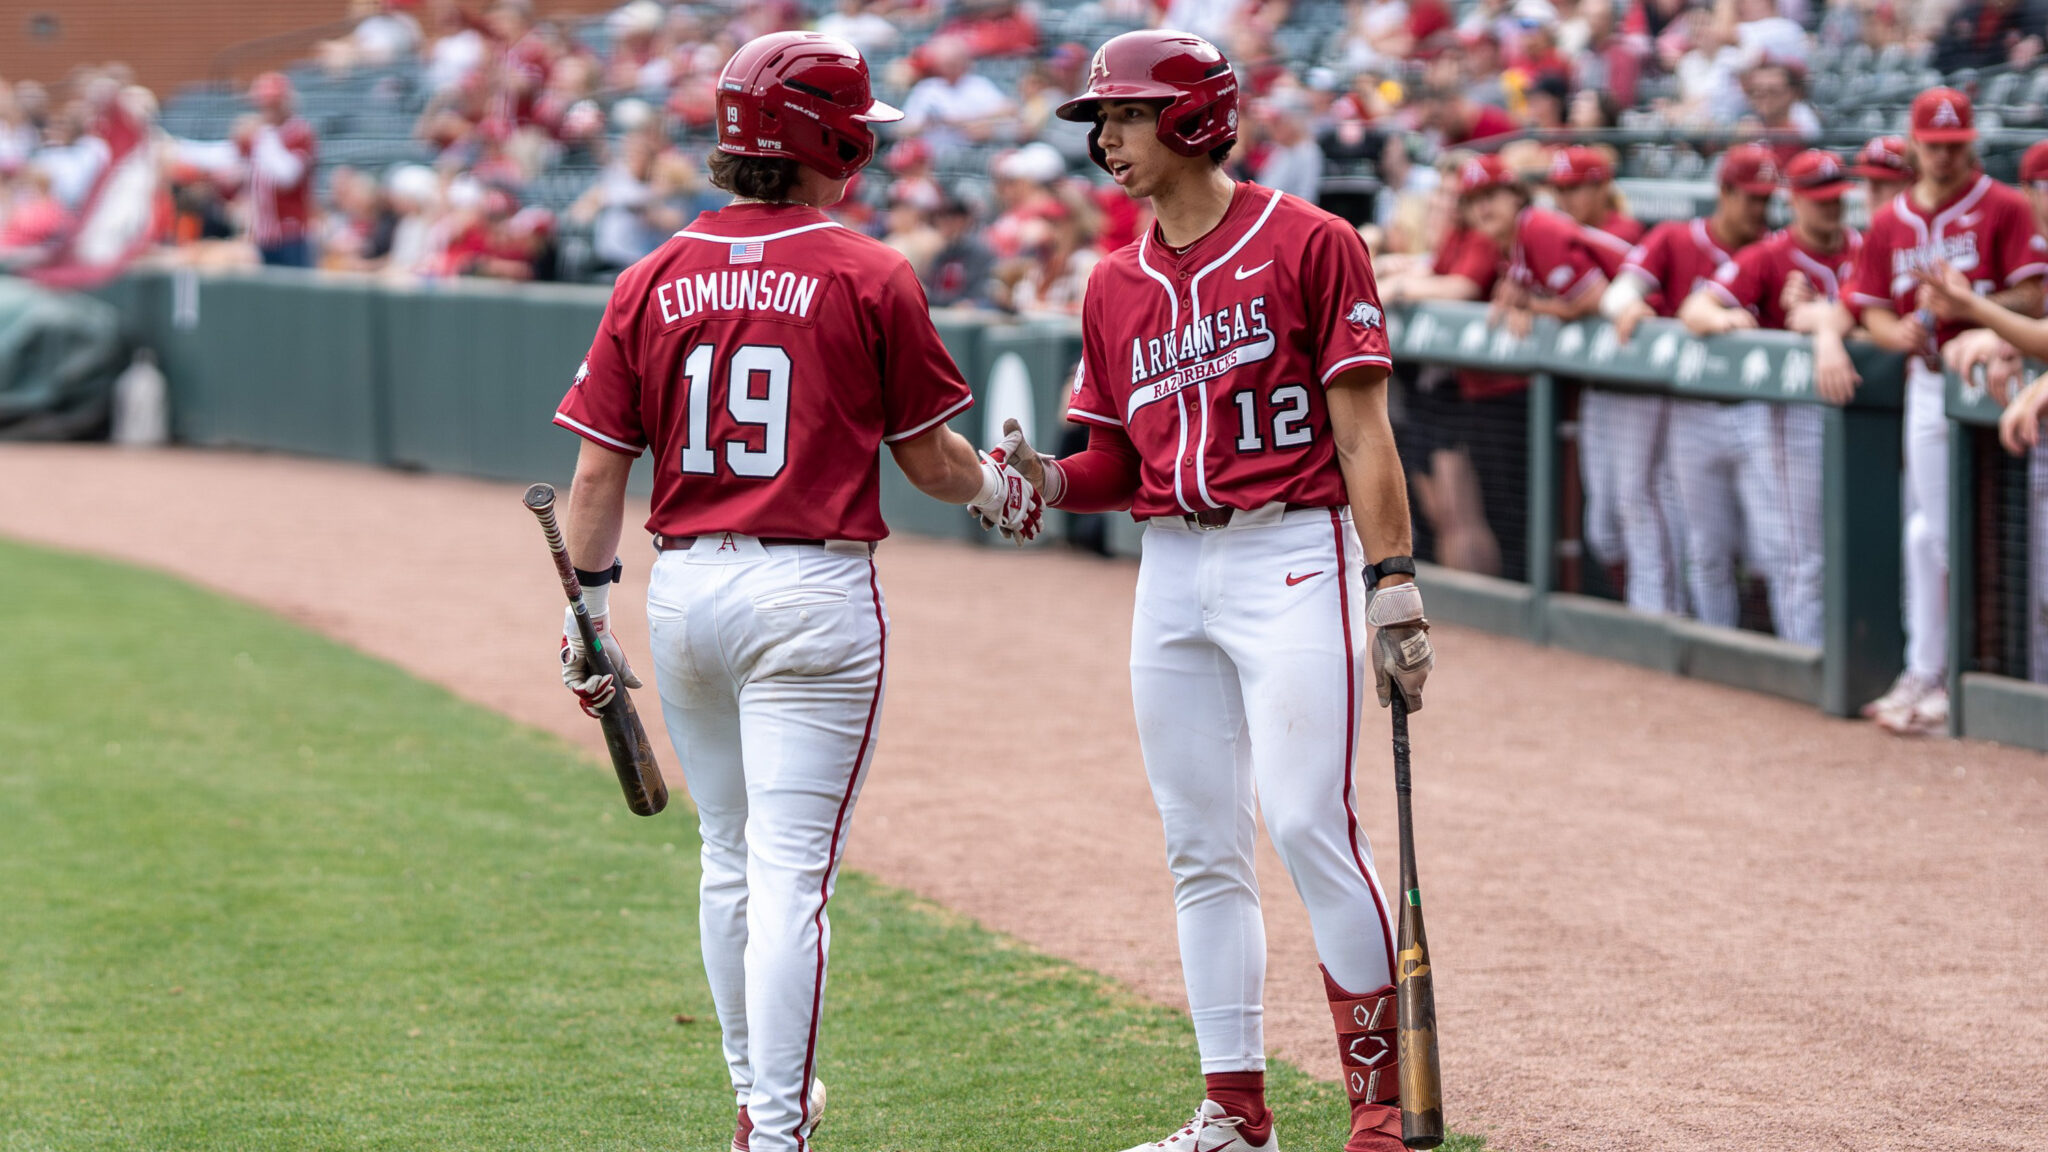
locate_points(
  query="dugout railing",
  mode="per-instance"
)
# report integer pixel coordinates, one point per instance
(463, 376)
(1998, 575)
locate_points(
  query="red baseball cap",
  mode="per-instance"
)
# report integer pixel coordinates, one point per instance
(1884, 158)
(1751, 168)
(1943, 116)
(2034, 165)
(1817, 175)
(1482, 173)
(1578, 166)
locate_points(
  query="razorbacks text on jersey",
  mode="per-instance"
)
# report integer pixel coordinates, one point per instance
(765, 353)
(1214, 359)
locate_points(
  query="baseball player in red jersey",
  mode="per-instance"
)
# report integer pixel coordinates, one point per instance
(1885, 165)
(1957, 216)
(1233, 380)
(273, 152)
(1582, 184)
(763, 354)
(1673, 447)
(1771, 456)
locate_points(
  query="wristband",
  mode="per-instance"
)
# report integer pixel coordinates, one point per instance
(601, 577)
(1055, 489)
(991, 482)
(1392, 565)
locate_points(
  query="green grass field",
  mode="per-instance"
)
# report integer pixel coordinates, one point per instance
(258, 891)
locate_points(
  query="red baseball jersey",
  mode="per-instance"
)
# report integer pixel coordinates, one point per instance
(282, 213)
(1475, 256)
(1214, 359)
(1613, 240)
(765, 353)
(1985, 231)
(1551, 255)
(1755, 278)
(1675, 260)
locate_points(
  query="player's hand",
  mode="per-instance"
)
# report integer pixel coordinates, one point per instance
(2019, 427)
(1634, 314)
(1797, 290)
(1728, 320)
(1401, 655)
(1834, 373)
(1945, 291)
(1008, 502)
(1519, 322)
(593, 690)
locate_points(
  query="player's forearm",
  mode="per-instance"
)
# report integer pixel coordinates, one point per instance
(1702, 315)
(941, 464)
(2023, 299)
(1101, 478)
(1576, 307)
(1888, 331)
(1374, 481)
(2025, 333)
(597, 507)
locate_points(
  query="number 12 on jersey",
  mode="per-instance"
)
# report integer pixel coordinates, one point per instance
(768, 412)
(1289, 422)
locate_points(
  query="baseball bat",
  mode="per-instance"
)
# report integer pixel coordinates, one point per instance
(624, 737)
(1422, 1111)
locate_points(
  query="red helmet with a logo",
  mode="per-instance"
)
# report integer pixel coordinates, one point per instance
(800, 96)
(1184, 71)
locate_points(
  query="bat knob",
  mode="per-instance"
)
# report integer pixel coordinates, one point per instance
(540, 496)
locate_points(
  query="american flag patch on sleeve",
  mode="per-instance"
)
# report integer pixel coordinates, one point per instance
(747, 252)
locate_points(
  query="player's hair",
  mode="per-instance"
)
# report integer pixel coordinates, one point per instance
(767, 178)
(1221, 152)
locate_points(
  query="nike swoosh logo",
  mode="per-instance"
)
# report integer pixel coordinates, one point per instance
(1244, 273)
(1292, 579)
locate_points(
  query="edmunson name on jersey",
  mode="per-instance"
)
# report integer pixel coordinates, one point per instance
(750, 290)
(1205, 348)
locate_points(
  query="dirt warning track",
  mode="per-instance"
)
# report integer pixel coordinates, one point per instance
(1665, 915)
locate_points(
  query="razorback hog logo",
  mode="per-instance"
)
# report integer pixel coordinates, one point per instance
(1364, 315)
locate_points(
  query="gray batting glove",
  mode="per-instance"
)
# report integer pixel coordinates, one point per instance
(1401, 655)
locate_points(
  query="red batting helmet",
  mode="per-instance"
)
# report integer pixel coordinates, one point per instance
(1184, 71)
(800, 96)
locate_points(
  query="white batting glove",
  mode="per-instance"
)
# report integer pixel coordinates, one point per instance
(1007, 502)
(593, 691)
(1401, 654)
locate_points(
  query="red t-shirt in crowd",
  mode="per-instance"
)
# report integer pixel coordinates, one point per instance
(1552, 255)
(765, 353)
(1985, 231)
(1490, 122)
(1674, 260)
(1214, 360)
(1755, 278)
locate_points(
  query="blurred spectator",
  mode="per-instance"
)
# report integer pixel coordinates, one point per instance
(954, 106)
(1987, 33)
(458, 48)
(523, 57)
(19, 136)
(413, 193)
(1043, 89)
(983, 28)
(1377, 35)
(1058, 252)
(639, 59)
(385, 34)
(962, 274)
(910, 163)
(32, 219)
(357, 234)
(860, 24)
(272, 153)
(70, 155)
(1777, 108)
(1458, 120)
(1293, 162)
(1544, 101)
(1216, 20)
(642, 196)
(908, 225)
(1025, 181)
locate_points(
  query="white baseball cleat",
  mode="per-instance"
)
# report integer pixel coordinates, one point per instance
(746, 1125)
(1928, 716)
(1212, 1130)
(1901, 697)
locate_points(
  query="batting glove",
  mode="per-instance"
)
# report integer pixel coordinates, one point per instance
(1007, 501)
(1401, 655)
(593, 690)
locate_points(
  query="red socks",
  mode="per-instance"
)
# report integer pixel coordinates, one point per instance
(1243, 1094)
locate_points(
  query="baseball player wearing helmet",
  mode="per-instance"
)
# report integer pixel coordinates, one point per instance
(764, 354)
(1953, 218)
(1790, 280)
(1233, 380)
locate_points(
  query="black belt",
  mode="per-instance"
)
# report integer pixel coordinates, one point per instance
(1209, 519)
(678, 543)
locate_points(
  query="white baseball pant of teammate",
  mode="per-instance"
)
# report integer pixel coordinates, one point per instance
(1797, 604)
(1732, 482)
(1248, 672)
(777, 650)
(1629, 502)
(1926, 509)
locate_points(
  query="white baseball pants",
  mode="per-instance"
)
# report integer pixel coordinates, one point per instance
(1926, 512)
(1623, 469)
(770, 661)
(1734, 468)
(1250, 676)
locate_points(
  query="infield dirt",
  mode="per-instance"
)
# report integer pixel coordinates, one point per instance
(1664, 914)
